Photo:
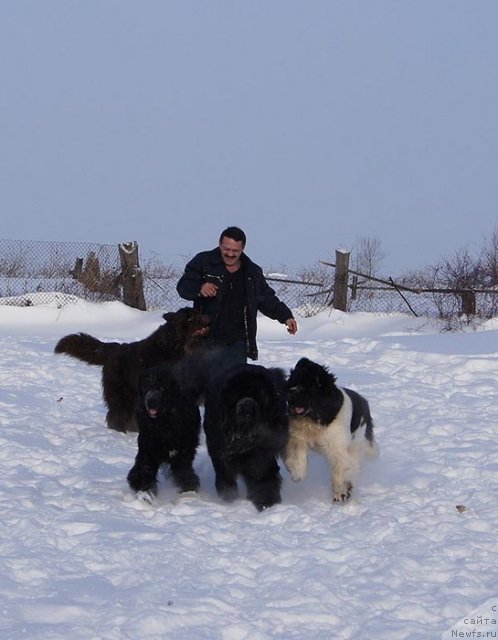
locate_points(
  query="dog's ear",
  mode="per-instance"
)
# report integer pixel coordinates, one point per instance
(325, 379)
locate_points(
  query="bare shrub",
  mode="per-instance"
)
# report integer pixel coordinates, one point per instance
(155, 267)
(55, 264)
(368, 255)
(489, 259)
(14, 265)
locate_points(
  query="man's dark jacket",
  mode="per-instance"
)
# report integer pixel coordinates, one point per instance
(208, 266)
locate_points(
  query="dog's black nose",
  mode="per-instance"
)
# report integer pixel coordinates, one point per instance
(152, 401)
(292, 394)
(246, 409)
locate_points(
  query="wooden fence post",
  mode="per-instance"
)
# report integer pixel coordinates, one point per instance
(132, 278)
(468, 303)
(340, 300)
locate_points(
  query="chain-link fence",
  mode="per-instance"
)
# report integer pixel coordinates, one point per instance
(160, 290)
(32, 272)
(441, 302)
(384, 300)
(40, 272)
(36, 272)
(306, 299)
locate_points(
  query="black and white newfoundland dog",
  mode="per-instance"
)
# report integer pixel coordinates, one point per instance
(246, 427)
(330, 420)
(182, 334)
(169, 424)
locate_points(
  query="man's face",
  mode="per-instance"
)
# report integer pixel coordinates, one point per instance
(231, 250)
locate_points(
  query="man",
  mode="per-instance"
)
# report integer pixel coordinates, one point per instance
(227, 285)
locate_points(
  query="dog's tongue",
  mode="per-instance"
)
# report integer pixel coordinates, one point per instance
(298, 410)
(152, 413)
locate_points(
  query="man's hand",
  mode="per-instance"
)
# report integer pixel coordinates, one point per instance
(291, 326)
(209, 290)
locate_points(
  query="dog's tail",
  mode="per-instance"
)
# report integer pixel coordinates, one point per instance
(86, 348)
(372, 449)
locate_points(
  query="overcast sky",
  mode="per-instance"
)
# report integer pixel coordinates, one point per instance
(308, 123)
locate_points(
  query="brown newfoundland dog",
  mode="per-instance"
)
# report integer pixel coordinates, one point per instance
(122, 363)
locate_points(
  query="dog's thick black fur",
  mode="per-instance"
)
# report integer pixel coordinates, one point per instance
(246, 426)
(121, 363)
(334, 421)
(169, 428)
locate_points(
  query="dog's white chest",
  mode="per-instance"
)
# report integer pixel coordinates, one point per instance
(309, 432)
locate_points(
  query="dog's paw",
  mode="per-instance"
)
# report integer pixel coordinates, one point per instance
(297, 466)
(186, 495)
(295, 473)
(262, 505)
(228, 493)
(343, 493)
(297, 477)
(146, 496)
(116, 427)
(189, 483)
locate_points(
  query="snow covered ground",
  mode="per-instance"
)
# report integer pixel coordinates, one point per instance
(82, 558)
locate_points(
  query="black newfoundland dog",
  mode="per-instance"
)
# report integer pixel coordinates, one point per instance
(333, 421)
(169, 428)
(246, 427)
(122, 363)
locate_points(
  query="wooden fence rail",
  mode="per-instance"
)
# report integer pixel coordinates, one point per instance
(342, 271)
